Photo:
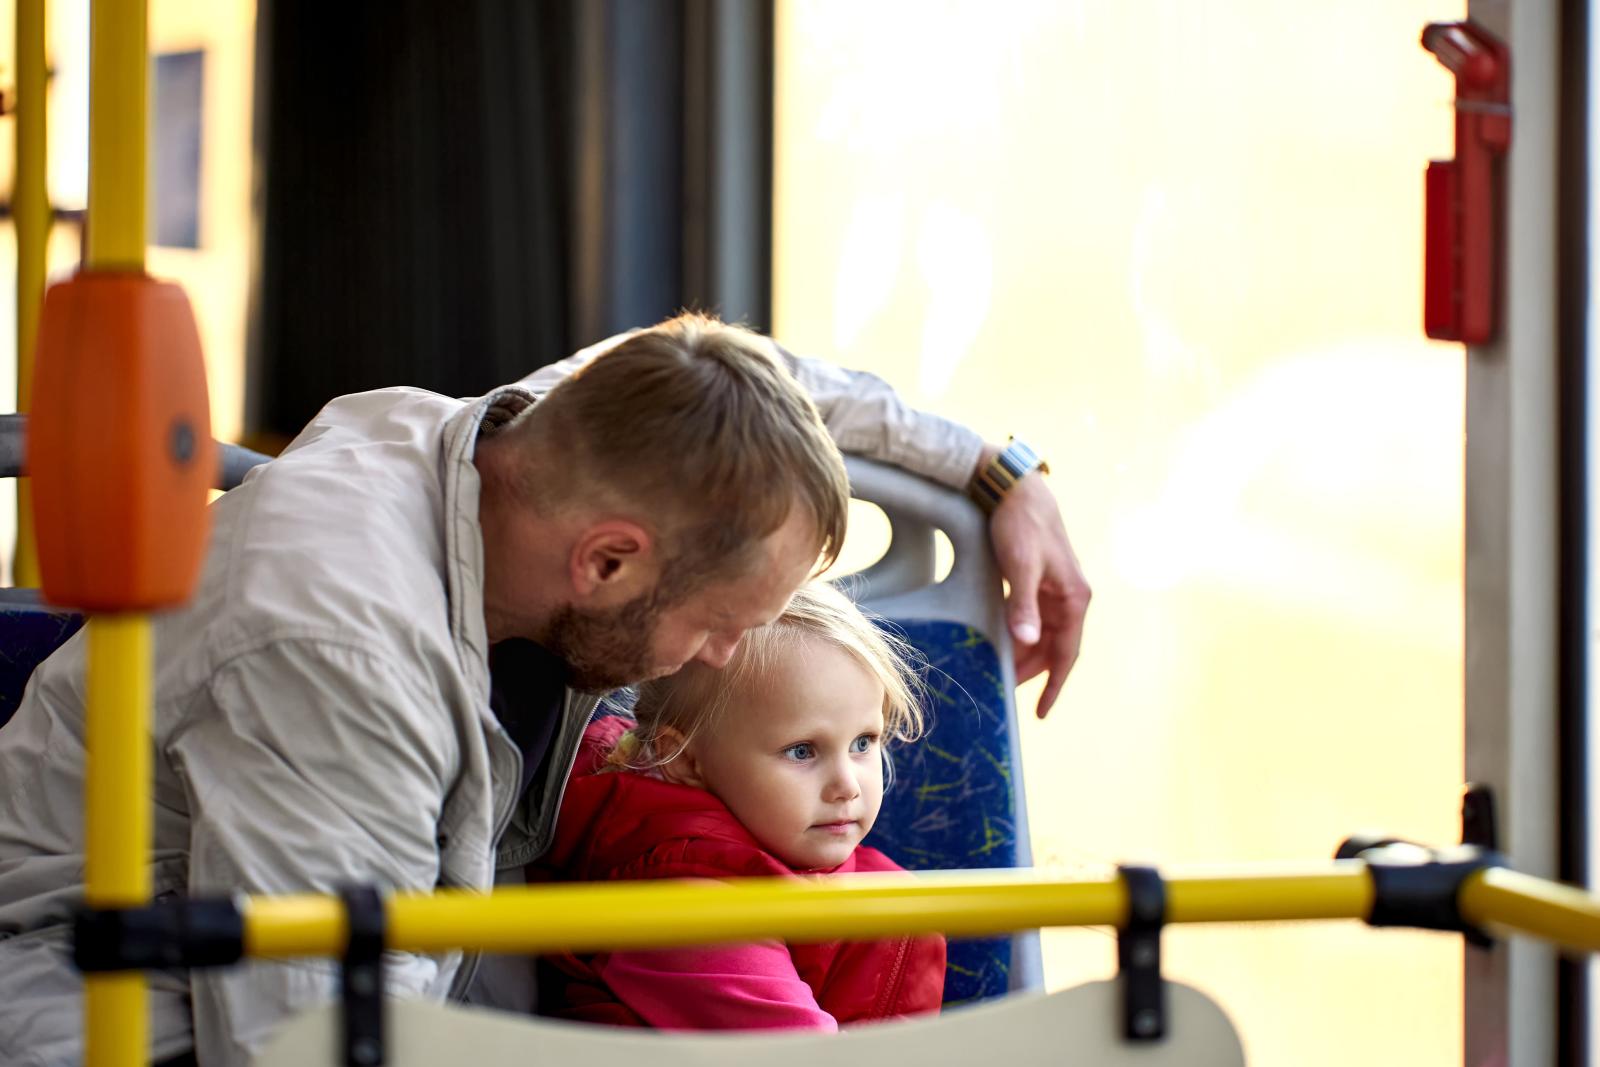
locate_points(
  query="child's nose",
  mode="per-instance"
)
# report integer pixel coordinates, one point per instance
(842, 784)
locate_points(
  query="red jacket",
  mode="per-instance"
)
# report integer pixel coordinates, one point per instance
(622, 825)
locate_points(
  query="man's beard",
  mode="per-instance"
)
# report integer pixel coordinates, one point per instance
(605, 650)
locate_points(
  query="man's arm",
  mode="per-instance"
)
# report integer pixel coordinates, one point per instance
(310, 769)
(1049, 594)
(868, 418)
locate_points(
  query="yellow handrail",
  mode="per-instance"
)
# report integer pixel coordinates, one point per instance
(1503, 898)
(611, 915)
(594, 917)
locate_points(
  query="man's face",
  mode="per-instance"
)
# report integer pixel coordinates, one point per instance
(640, 640)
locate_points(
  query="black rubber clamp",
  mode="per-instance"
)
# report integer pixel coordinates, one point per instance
(1418, 887)
(174, 933)
(361, 977)
(1144, 993)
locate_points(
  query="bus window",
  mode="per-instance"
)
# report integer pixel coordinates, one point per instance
(1181, 255)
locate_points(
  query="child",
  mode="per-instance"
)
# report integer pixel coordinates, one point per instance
(771, 766)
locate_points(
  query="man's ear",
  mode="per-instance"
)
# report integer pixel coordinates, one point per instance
(681, 766)
(612, 562)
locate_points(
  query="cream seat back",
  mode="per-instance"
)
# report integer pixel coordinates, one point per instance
(1078, 1027)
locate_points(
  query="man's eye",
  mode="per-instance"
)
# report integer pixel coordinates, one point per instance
(803, 751)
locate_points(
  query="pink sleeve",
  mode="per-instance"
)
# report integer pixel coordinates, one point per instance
(728, 987)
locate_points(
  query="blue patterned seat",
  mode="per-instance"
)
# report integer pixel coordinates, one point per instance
(953, 801)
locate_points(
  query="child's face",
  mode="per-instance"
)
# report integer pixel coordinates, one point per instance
(797, 756)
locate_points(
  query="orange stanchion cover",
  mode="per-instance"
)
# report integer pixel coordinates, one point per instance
(119, 444)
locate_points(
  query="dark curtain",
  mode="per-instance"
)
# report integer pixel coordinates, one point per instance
(452, 195)
(411, 170)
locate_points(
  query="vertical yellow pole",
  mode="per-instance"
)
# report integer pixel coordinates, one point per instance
(117, 811)
(117, 806)
(30, 209)
(117, 64)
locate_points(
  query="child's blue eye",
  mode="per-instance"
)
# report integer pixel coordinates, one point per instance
(803, 751)
(862, 743)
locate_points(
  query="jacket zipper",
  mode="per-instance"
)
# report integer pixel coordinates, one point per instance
(891, 995)
(551, 788)
(470, 961)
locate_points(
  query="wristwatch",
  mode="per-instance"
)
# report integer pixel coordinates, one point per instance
(991, 484)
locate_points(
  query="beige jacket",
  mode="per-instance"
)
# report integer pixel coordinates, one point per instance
(322, 712)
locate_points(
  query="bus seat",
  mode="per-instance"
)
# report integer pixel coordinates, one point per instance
(957, 799)
(29, 628)
(1078, 1027)
(29, 631)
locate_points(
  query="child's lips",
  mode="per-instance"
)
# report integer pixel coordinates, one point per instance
(841, 826)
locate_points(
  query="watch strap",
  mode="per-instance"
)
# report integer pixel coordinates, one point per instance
(997, 477)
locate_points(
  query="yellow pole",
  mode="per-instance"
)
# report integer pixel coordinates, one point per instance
(599, 916)
(30, 213)
(117, 813)
(1503, 898)
(119, 670)
(117, 64)
(596, 917)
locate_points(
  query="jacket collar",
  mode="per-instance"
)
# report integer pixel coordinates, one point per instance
(463, 535)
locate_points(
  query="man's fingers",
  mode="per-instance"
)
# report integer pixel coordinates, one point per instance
(1022, 606)
(1052, 689)
(1063, 654)
(1060, 653)
(1031, 661)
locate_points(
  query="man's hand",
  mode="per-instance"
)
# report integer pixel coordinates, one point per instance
(1049, 594)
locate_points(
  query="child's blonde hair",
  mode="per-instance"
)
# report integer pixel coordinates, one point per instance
(691, 699)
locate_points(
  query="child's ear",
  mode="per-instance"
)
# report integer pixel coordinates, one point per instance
(681, 768)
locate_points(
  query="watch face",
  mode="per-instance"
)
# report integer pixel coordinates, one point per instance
(1019, 458)
(994, 481)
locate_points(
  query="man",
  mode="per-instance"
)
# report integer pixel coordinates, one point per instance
(398, 639)
(1049, 596)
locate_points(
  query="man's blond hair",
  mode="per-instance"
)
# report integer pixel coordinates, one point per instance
(697, 428)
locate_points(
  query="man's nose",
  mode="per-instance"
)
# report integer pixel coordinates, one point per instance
(717, 651)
